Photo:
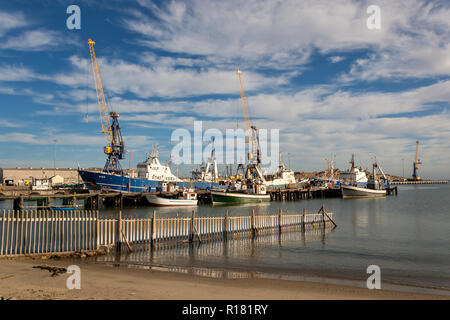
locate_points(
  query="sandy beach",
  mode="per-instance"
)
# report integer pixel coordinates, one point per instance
(19, 280)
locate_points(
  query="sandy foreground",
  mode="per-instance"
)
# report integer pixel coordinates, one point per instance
(18, 280)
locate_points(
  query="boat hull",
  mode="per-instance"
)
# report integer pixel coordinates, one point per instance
(358, 192)
(114, 182)
(235, 197)
(166, 202)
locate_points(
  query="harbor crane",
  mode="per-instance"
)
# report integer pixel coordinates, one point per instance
(415, 175)
(254, 153)
(115, 149)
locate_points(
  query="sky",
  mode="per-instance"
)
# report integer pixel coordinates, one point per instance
(312, 69)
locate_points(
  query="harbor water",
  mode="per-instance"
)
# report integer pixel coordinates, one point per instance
(407, 236)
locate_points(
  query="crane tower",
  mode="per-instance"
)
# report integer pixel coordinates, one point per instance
(115, 149)
(415, 175)
(254, 153)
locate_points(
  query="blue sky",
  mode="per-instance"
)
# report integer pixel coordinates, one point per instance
(310, 68)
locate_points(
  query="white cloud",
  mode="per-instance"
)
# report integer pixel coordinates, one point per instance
(335, 59)
(10, 21)
(32, 40)
(161, 80)
(315, 122)
(71, 139)
(10, 124)
(413, 40)
(254, 31)
(16, 73)
(37, 96)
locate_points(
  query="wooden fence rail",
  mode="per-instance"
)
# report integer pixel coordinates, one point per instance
(34, 232)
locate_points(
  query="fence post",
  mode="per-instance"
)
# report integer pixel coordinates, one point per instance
(321, 210)
(3, 233)
(191, 231)
(8, 241)
(323, 214)
(303, 218)
(16, 220)
(225, 226)
(153, 240)
(279, 220)
(118, 233)
(97, 231)
(253, 223)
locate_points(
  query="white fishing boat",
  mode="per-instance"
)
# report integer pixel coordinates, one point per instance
(361, 192)
(281, 178)
(357, 175)
(152, 169)
(373, 189)
(207, 172)
(188, 198)
(354, 175)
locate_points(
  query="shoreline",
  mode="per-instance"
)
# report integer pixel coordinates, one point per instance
(229, 273)
(18, 280)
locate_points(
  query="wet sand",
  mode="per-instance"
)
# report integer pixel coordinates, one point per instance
(18, 280)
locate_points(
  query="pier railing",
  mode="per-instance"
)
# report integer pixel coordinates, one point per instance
(37, 232)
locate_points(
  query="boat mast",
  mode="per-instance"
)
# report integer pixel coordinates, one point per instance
(352, 170)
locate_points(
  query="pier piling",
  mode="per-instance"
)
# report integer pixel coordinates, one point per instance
(119, 232)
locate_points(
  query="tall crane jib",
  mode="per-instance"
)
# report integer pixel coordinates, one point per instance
(254, 153)
(115, 150)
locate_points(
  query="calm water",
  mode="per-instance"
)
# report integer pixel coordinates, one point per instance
(407, 235)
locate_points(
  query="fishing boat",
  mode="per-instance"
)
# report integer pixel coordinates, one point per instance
(357, 175)
(302, 183)
(326, 179)
(354, 175)
(361, 192)
(150, 174)
(237, 197)
(373, 189)
(281, 178)
(188, 198)
(207, 172)
(257, 193)
(250, 188)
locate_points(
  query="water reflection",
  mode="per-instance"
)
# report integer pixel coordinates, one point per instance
(365, 213)
(218, 251)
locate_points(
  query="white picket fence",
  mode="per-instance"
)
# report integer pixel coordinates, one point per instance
(35, 232)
